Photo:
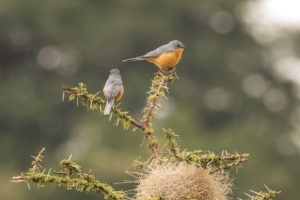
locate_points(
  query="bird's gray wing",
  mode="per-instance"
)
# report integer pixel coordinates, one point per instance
(113, 88)
(155, 53)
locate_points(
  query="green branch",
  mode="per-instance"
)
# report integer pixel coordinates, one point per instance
(209, 160)
(157, 91)
(174, 147)
(97, 103)
(69, 176)
(263, 195)
(204, 159)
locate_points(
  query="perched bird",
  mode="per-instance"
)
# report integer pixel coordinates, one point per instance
(165, 56)
(113, 89)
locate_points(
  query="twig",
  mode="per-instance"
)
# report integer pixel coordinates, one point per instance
(70, 176)
(101, 102)
(161, 86)
(35, 163)
(158, 85)
(172, 143)
(155, 93)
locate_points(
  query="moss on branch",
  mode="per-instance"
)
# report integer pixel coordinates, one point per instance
(69, 176)
(209, 160)
(94, 102)
(263, 195)
(174, 147)
(157, 91)
(203, 159)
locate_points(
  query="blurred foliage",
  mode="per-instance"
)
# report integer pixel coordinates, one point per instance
(227, 97)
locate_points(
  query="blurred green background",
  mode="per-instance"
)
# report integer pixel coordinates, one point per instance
(229, 96)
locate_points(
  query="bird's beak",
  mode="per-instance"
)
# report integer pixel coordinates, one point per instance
(183, 46)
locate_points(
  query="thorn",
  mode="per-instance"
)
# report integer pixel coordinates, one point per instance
(267, 187)
(44, 170)
(209, 163)
(91, 104)
(110, 116)
(70, 157)
(49, 171)
(77, 101)
(118, 122)
(63, 96)
(100, 108)
(97, 93)
(248, 195)
(28, 185)
(256, 193)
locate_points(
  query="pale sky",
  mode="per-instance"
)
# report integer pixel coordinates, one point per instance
(273, 20)
(284, 13)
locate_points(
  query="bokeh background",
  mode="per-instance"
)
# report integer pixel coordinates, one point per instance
(238, 88)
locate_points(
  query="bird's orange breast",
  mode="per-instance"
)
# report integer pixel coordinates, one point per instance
(167, 60)
(118, 97)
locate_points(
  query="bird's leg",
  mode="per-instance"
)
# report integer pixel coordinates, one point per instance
(164, 71)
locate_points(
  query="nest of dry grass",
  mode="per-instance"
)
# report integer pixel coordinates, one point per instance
(182, 181)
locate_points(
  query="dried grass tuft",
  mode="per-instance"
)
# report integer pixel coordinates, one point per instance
(182, 181)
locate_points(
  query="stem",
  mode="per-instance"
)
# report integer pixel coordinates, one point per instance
(152, 104)
(158, 85)
(90, 98)
(153, 147)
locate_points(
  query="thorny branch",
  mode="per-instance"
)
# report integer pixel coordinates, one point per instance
(155, 93)
(69, 176)
(262, 195)
(101, 103)
(174, 147)
(209, 160)
(37, 159)
(152, 104)
(159, 84)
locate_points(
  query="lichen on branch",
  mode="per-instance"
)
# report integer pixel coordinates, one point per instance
(174, 147)
(157, 91)
(94, 102)
(69, 176)
(203, 159)
(262, 195)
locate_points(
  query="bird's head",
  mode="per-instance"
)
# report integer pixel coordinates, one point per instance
(176, 44)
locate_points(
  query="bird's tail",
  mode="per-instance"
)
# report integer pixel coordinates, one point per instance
(133, 59)
(109, 104)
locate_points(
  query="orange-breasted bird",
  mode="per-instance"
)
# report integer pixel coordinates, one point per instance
(113, 89)
(165, 56)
